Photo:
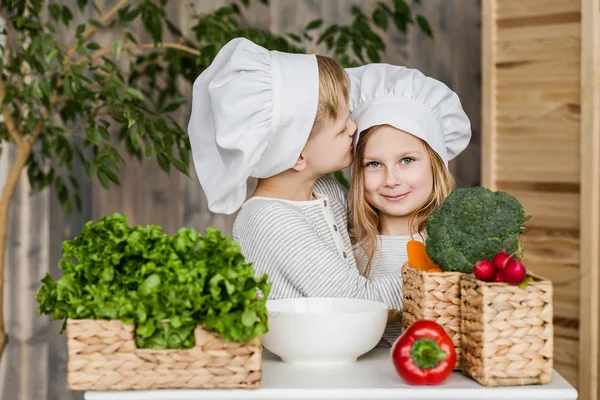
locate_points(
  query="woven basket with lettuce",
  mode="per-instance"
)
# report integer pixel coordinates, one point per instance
(148, 310)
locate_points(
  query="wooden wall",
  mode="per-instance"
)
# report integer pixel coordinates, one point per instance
(34, 363)
(539, 146)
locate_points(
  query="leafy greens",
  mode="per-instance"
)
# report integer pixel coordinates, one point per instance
(164, 284)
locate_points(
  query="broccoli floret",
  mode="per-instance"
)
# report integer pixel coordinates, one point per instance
(473, 224)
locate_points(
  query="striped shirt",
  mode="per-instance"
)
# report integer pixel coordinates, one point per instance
(305, 249)
(388, 259)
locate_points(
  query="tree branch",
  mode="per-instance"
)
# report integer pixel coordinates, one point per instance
(143, 46)
(40, 125)
(105, 18)
(10, 124)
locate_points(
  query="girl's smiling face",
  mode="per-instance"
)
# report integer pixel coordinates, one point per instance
(398, 174)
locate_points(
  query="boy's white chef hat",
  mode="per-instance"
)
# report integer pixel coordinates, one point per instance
(252, 113)
(383, 94)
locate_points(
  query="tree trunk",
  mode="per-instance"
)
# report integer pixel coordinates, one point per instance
(8, 191)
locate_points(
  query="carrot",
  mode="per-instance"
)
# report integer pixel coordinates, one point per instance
(434, 269)
(418, 258)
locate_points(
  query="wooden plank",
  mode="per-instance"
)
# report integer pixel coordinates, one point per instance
(511, 74)
(488, 90)
(589, 350)
(566, 328)
(566, 351)
(569, 372)
(538, 43)
(533, 8)
(550, 211)
(552, 246)
(555, 160)
(540, 20)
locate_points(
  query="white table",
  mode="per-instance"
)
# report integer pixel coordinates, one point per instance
(371, 378)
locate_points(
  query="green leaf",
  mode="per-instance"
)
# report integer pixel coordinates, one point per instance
(401, 22)
(117, 44)
(96, 23)
(93, 46)
(294, 37)
(249, 317)
(174, 105)
(424, 25)
(209, 52)
(163, 162)
(150, 285)
(525, 282)
(103, 178)
(373, 55)
(81, 51)
(135, 93)
(380, 19)
(328, 34)
(402, 7)
(80, 29)
(55, 11)
(81, 4)
(339, 176)
(148, 149)
(66, 15)
(313, 25)
(52, 55)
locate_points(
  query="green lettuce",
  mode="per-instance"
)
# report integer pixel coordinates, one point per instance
(164, 284)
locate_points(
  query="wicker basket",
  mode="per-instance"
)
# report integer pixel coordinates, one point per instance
(507, 332)
(103, 356)
(433, 296)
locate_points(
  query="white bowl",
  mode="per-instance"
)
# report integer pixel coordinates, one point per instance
(323, 331)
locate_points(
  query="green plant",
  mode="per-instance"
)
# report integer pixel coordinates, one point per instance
(64, 103)
(474, 224)
(165, 285)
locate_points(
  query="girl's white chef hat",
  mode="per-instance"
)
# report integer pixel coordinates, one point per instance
(252, 113)
(383, 94)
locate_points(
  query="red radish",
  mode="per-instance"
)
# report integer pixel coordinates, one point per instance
(499, 277)
(484, 270)
(501, 259)
(514, 272)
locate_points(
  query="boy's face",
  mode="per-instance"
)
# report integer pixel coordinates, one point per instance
(330, 149)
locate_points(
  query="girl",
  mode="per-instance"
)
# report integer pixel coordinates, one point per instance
(409, 127)
(284, 119)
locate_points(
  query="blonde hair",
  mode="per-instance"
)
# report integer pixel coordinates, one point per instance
(333, 85)
(364, 218)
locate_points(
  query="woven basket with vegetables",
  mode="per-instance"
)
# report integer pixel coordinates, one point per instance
(506, 320)
(147, 310)
(471, 225)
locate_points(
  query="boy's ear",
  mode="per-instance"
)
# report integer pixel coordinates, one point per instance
(300, 163)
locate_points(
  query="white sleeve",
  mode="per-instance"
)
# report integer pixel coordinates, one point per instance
(278, 240)
(333, 189)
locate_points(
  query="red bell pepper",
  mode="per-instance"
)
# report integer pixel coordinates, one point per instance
(424, 354)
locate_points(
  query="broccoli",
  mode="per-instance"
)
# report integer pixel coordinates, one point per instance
(473, 224)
